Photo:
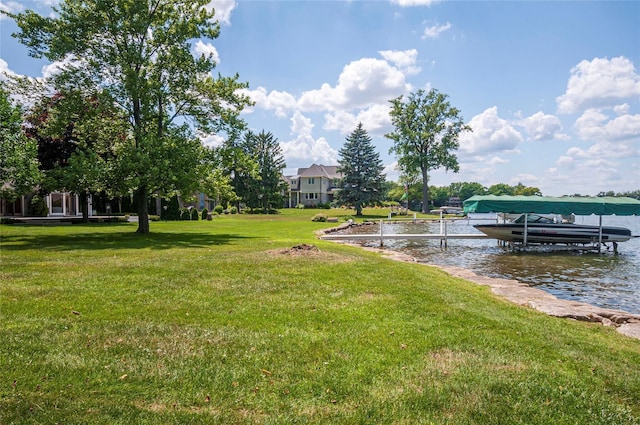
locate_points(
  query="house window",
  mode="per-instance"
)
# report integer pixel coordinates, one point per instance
(311, 196)
(57, 203)
(312, 180)
(293, 183)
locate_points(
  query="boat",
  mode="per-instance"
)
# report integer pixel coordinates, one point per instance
(545, 230)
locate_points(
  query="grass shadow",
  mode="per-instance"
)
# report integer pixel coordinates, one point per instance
(116, 240)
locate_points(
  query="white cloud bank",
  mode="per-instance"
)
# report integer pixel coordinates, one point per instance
(599, 83)
(304, 148)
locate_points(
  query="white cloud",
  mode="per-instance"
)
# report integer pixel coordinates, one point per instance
(589, 176)
(5, 71)
(599, 83)
(53, 69)
(208, 50)
(211, 140)
(409, 3)
(362, 83)
(373, 119)
(303, 149)
(540, 126)
(435, 31)
(403, 59)
(526, 179)
(490, 134)
(223, 9)
(594, 125)
(282, 103)
(10, 7)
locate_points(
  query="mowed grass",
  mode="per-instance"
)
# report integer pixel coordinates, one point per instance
(215, 323)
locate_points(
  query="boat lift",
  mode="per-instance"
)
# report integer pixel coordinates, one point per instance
(553, 205)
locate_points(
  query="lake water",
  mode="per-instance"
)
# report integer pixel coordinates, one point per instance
(605, 280)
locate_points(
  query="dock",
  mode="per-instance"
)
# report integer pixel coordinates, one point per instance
(443, 236)
(404, 236)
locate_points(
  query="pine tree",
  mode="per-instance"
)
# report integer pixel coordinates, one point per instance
(361, 167)
(264, 188)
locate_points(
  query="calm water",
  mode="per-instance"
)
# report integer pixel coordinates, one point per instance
(606, 280)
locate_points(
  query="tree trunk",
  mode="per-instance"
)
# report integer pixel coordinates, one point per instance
(143, 210)
(425, 191)
(84, 206)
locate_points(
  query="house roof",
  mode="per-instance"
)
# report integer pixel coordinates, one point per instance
(328, 171)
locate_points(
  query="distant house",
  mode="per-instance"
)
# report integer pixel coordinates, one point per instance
(312, 186)
(59, 204)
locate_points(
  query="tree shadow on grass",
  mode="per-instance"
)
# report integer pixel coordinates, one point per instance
(125, 239)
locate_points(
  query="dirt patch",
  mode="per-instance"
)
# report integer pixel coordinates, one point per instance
(301, 250)
(309, 251)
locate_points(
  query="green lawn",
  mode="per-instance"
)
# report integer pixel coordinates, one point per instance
(213, 322)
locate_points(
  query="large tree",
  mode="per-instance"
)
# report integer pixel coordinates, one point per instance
(77, 137)
(361, 169)
(140, 52)
(427, 129)
(263, 189)
(19, 172)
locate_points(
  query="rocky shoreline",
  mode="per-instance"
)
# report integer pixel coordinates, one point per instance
(625, 323)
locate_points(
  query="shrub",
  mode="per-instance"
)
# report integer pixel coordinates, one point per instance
(218, 209)
(194, 214)
(171, 210)
(204, 213)
(319, 217)
(324, 205)
(185, 215)
(300, 206)
(233, 210)
(37, 207)
(153, 217)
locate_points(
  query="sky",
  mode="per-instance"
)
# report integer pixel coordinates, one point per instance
(551, 89)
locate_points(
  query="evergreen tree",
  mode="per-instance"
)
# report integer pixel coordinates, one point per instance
(361, 167)
(265, 188)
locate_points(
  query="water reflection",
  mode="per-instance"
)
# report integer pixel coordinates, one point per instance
(606, 280)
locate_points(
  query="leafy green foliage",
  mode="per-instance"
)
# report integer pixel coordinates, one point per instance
(427, 129)
(140, 52)
(19, 172)
(77, 137)
(361, 168)
(264, 188)
(319, 217)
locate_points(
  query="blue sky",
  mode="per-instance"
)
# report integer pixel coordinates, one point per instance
(551, 89)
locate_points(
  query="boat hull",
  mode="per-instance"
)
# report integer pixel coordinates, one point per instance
(554, 233)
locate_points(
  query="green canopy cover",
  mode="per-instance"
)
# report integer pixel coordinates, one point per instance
(549, 205)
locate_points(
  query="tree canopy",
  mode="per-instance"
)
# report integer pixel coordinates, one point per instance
(263, 187)
(140, 53)
(19, 172)
(427, 129)
(361, 168)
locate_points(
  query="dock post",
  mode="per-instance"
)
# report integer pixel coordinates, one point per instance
(445, 235)
(381, 234)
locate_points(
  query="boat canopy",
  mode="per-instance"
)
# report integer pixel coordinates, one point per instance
(550, 205)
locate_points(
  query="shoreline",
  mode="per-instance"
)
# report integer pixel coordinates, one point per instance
(519, 293)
